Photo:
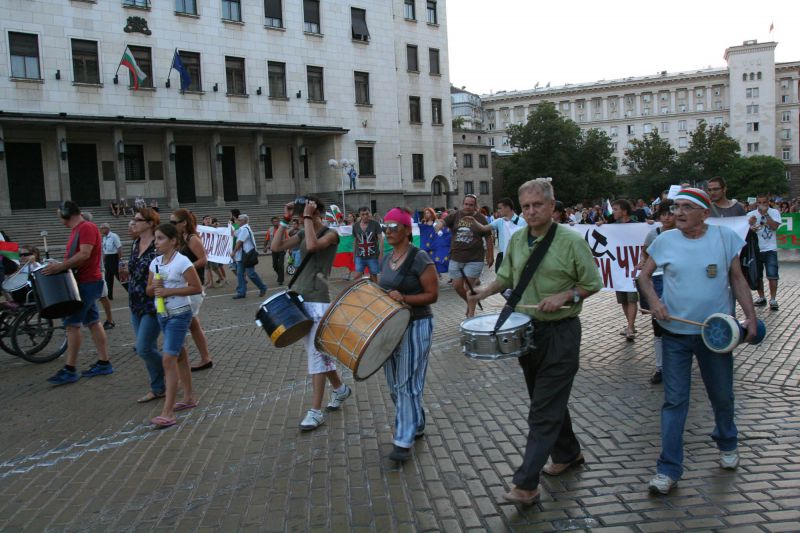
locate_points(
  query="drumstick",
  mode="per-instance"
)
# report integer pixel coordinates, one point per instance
(469, 286)
(528, 306)
(678, 319)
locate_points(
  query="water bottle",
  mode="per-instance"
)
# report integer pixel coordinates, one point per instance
(161, 308)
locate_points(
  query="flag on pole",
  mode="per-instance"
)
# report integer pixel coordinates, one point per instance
(177, 64)
(771, 27)
(9, 250)
(129, 62)
(609, 211)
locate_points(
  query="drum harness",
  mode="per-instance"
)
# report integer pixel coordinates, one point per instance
(527, 275)
(305, 260)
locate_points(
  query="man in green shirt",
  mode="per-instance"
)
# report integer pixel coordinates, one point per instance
(565, 277)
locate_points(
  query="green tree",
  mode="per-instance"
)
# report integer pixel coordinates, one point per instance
(712, 152)
(581, 163)
(650, 162)
(458, 123)
(759, 174)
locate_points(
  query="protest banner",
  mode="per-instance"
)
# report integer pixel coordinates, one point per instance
(618, 248)
(789, 231)
(217, 242)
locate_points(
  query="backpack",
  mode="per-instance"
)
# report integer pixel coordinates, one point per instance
(748, 257)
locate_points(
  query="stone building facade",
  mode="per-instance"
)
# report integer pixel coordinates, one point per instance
(278, 91)
(472, 172)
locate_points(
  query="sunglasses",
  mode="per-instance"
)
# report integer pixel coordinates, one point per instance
(176, 222)
(391, 226)
(25, 254)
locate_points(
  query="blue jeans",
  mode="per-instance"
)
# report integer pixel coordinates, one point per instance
(241, 282)
(147, 331)
(362, 264)
(717, 372)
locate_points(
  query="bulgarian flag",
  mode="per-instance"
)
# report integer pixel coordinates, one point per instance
(11, 250)
(344, 253)
(129, 62)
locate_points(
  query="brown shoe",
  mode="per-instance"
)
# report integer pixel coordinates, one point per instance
(556, 469)
(525, 497)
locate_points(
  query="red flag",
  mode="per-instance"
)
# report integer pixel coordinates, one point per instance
(771, 27)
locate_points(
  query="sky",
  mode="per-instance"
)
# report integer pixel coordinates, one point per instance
(513, 44)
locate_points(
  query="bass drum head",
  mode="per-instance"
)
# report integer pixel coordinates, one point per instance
(382, 344)
(721, 333)
(485, 323)
(17, 287)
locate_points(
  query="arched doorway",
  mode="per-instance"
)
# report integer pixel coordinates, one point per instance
(440, 192)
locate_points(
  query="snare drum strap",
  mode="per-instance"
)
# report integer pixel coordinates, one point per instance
(305, 260)
(527, 275)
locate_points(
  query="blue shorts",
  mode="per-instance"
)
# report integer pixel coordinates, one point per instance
(768, 260)
(175, 329)
(363, 263)
(90, 292)
(472, 269)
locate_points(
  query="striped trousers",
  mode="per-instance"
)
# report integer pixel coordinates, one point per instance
(405, 374)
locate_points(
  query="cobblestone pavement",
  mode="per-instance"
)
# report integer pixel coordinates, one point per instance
(83, 457)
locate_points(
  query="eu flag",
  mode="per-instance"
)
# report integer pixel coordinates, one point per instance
(177, 64)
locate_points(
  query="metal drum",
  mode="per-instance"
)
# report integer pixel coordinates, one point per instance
(283, 318)
(514, 339)
(17, 286)
(57, 294)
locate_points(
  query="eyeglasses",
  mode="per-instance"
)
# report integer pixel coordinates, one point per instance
(682, 208)
(140, 219)
(391, 226)
(176, 222)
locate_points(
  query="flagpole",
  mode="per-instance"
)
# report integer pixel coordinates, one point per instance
(172, 63)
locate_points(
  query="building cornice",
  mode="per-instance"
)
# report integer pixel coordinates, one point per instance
(748, 47)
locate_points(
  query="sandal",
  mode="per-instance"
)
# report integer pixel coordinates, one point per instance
(163, 421)
(183, 406)
(149, 397)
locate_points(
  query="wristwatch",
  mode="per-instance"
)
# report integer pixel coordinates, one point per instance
(576, 297)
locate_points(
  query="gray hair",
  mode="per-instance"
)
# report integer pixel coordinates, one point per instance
(245, 218)
(87, 216)
(105, 225)
(538, 185)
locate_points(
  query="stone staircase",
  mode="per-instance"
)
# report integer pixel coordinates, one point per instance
(26, 226)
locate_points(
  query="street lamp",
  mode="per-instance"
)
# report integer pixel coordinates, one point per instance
(344, 164)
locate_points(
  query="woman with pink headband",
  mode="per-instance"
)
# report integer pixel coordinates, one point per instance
(410, 277)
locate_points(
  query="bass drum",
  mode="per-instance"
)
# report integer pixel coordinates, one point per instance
(57, 295)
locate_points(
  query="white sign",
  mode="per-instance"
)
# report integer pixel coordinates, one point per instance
(618, 248)
(673, 191)
(217, 242)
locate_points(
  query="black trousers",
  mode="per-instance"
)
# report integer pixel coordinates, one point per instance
(277, 265)
(549, 371)
(111, 264)
(498, 261)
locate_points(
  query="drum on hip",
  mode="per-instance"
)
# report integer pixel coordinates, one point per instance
(514, 339)
(283, 318)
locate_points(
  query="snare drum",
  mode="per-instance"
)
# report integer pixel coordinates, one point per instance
(283, 318)
(17, 286)
(514, 339)
(57, 294)
(362, 328)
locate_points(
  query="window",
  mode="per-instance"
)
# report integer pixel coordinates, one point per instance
(718, 105)
(631, 129)
(752, 148)
(613, 131)
(752, 126)
(469, 187)
(647, 128)
(136, 3)
(786, 134)
(85, 63)
(24, 49)
(277, 79)
(646, 98)
(431, 7)
(436, 111)
(758, 75)
(483, 161)
(358, 22)
(191, 61)
(614, 147)
(751, 92)
(786, 116)
(491, 141)
(784, 98)
(273, 14)
(433, 61)
(467, 160)
(316, 89)
(134, 162)
(565, 106)
(311, 16)
(682, 108)
(699, 106)
(664, 110)
(718, 121)
(267, 162)
(699, 93)
(437, 188)
(786, 154)
(484, 187)
(682, 143)
(188, 7)
(414, 114)
(362, 88)
(232, 10)
(412, 63)
(144, 59)
(752, 109)
(744, 76)
(785, 84)
(366, 161)
(408, 10)
(418, 167)
(234, 74)
(681, 125)
(665, 127)
(645, 111)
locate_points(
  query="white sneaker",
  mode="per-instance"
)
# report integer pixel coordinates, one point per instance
(773, 304)
(313, 420)
(338, 398)
(661, 484)
(729, 460)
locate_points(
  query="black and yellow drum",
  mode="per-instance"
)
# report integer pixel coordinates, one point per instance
(283, 318)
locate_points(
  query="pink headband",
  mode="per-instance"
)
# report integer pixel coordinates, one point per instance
(398, 215)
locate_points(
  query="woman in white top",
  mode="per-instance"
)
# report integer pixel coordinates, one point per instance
(178, 280)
